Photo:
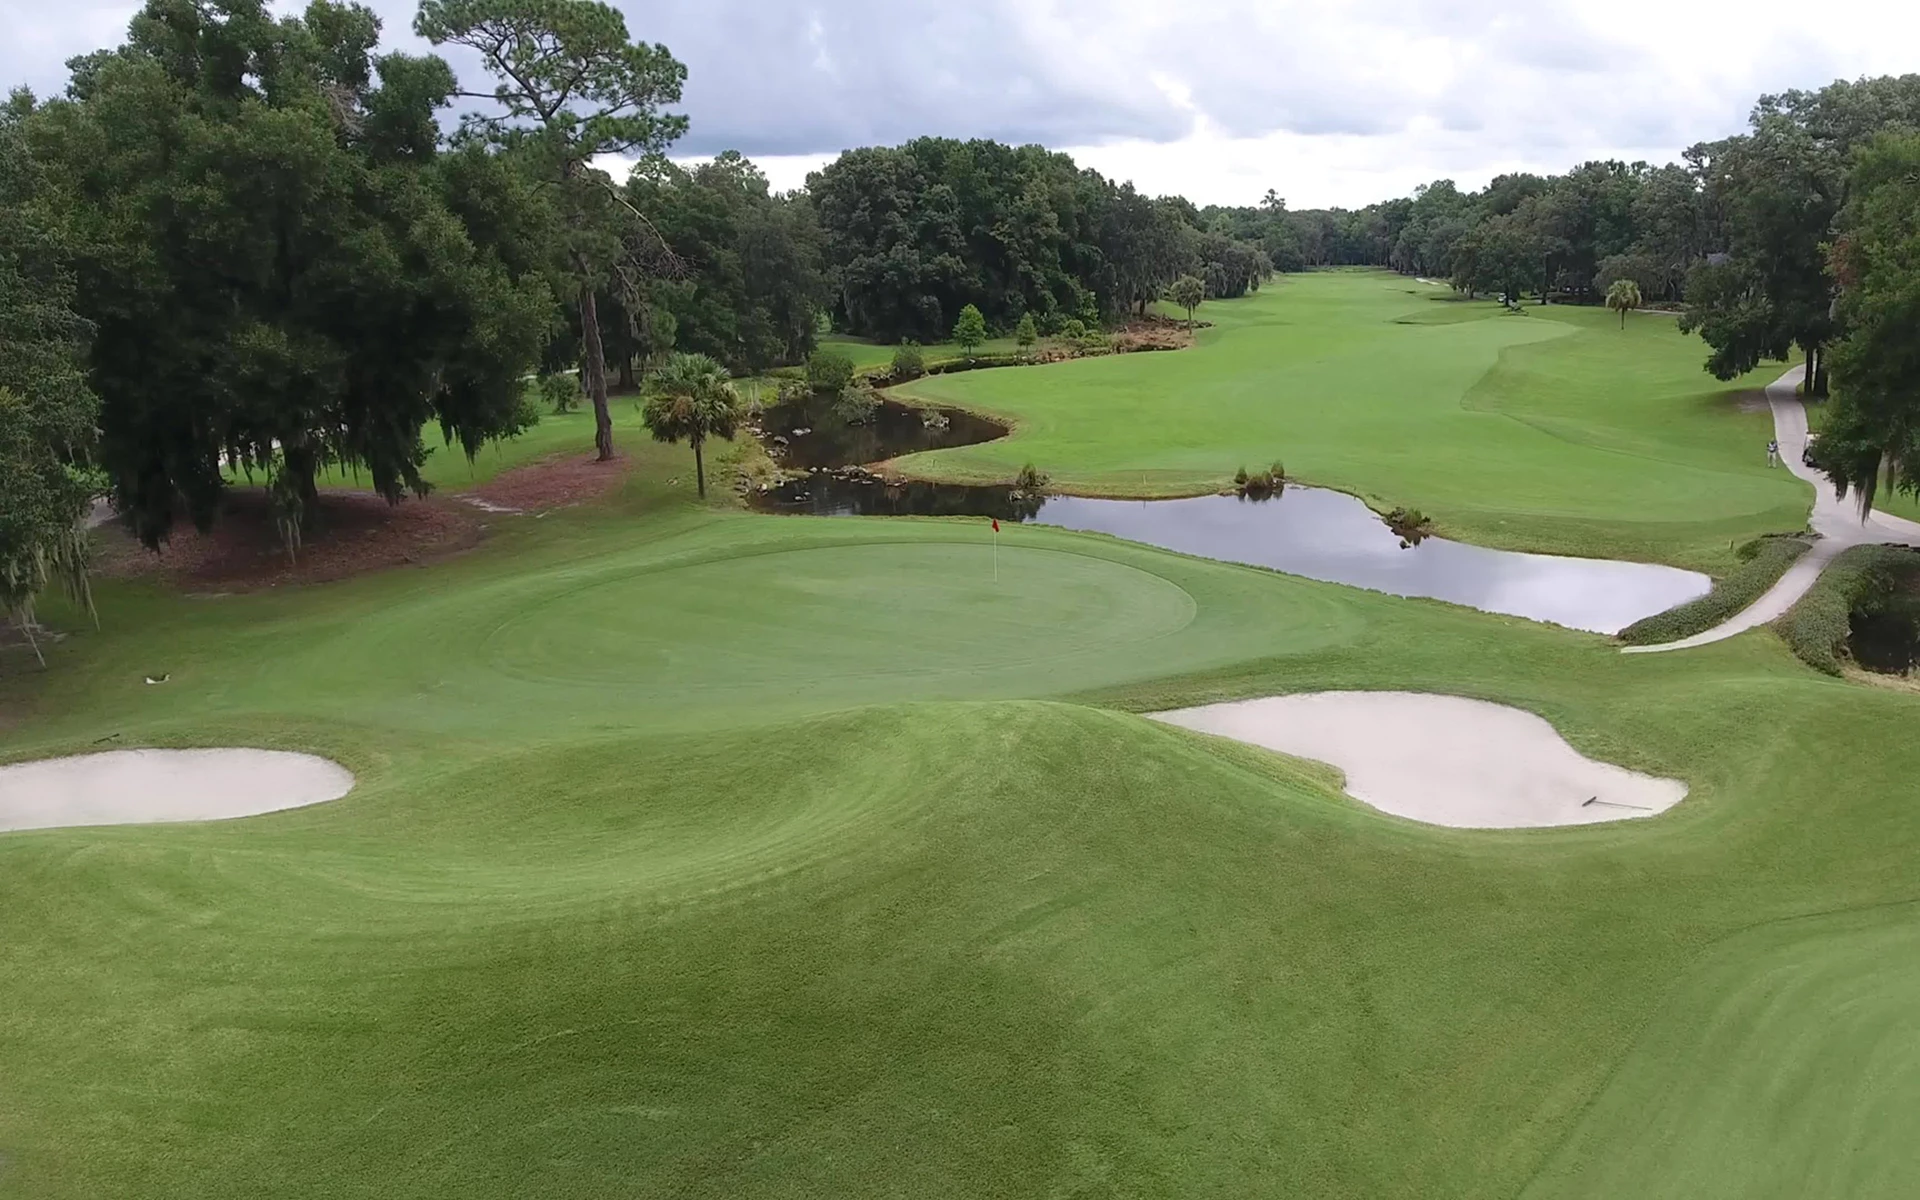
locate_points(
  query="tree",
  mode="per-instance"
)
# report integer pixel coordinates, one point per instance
(1768, 291)
(829, 372)
(753, 285)
(908, 362)
(47, 412)
(570, 87)
(693, 401)
(283, 271)
(1623, 295)
(1024, 334)
(1873, 424)
(970, 330)
(1187, 291)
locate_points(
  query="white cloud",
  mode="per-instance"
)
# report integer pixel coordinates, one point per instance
(1327, 103)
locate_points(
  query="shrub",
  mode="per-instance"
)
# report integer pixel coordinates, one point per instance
(1410, 525)
(1073, 329)
(829, 371)
(855, 406)
(561, 392)
(1029, 481)
(908, 361)
(947, 366)
(1817, 628)
(1763, 562)
(526, 414)
(1261, 484)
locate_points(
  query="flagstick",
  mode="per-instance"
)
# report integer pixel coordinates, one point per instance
(996, 556)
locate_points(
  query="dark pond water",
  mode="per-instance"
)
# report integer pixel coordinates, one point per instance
(818, 433)
(1303, 531)
(1886, 640)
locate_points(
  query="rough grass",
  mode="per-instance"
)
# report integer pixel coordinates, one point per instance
(1818, 626)
(1762, 562)
(1557, 431)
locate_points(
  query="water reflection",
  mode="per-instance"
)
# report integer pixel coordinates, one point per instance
(1303, 531)
(818, 432)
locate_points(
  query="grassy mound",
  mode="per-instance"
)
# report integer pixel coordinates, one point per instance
(1762, 562)
(1818, 626)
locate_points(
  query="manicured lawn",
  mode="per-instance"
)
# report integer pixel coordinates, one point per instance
(697, 853)
(1555, 431)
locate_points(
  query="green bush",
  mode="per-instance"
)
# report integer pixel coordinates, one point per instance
(908, 362)
(526, 414)
(829, 372)
(947, 366)
(1029, 481)
(1764, 561)
(561, 392)
(1818, 626)
(1410, 525)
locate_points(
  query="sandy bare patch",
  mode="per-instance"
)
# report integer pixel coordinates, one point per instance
(133, 787)
(1444, 760)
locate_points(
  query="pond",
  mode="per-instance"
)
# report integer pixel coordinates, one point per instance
(816, 432)
(1884, 635)
(1313, 532)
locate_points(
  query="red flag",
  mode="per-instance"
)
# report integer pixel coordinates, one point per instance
(996, 524)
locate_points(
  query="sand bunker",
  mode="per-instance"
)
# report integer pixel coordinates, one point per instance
(131, 787)
(1441, 759)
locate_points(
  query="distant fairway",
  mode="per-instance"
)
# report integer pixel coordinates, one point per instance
(697, 853)
(1553, 431)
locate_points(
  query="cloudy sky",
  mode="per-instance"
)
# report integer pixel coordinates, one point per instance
(1334, 102)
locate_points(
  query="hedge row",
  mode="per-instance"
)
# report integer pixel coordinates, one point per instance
(1817, 628)
(1764, 561)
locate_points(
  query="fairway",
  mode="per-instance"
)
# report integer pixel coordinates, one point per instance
(1554, 431)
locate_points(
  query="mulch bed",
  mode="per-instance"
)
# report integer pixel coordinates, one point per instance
(357, 532)
(555, 482)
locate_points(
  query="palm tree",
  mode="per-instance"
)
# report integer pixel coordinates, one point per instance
(1622, 295)
(1187, 291)
(692, 401)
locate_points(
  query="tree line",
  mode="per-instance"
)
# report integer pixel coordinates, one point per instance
(242, 245)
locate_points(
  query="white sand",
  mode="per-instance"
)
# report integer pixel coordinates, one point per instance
(1444, 760)
(130, 787)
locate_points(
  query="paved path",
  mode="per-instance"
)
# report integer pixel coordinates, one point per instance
(1835, 518)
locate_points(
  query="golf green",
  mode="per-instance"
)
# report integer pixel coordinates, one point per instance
(699, 853)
